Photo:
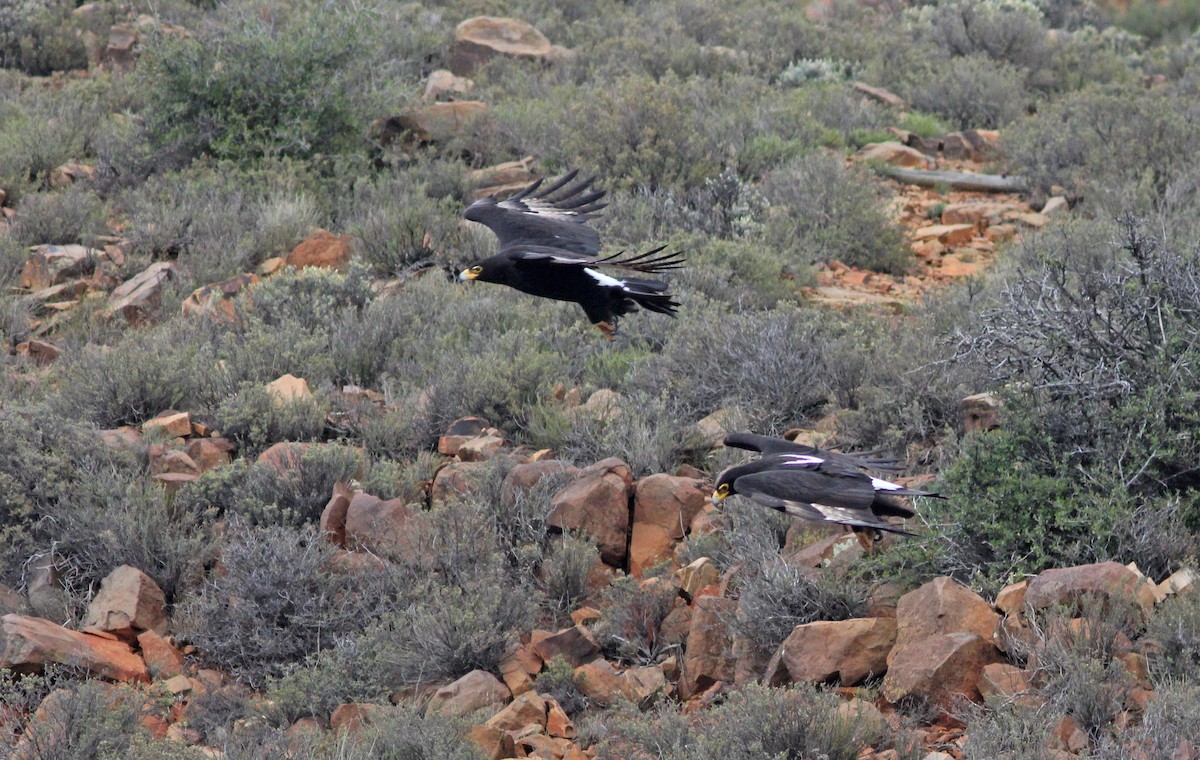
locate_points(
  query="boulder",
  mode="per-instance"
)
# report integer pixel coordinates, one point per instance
(942, 606)
(163, 660)
(333, 517)
(128, 602)
(949, 235)
(643, 686)
(352, 716)
(526, 709)
(895, 154)
(845, 651)
(708, 656)
(880, 94)
(523, 478)
(138, 297)
(210, 453)
(941, 669)
(493, 743)
(169, 424)
(557, 722)
(456, 479)
(387, 527)
(444, 83)
(576, 645)
(217, 299)
(50, 265)
(482, 447)
(284, 456)
(980, 412)
(597, 503)
(474, 691)
(599, 681)
(510, 175)
(322, 249)
(432, 122)
(477, 39)
(27, 643)
(1000, 680)
(698, 574)
(288, 389)
(669, 502)
(1110, 581)
(649, 545)
(1011, 599)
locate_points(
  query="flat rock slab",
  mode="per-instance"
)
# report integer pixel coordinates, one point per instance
(28, 643)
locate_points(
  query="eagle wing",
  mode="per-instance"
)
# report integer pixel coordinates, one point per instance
(651, 262)
(552, 216)
(769, 445)
(810, 485)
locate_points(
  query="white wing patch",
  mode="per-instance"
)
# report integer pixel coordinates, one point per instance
(605, 280)
(539, 208)
(885, 485)
(801, 460)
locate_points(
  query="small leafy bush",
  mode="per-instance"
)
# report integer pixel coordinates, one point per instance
(822, 211)
(274, 602)
(62, 218)
(971, 92)
(754, 722)
(40, 36)
(1175, 625)
(631, 616)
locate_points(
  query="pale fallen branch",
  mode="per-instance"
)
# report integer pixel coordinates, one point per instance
(986, 183)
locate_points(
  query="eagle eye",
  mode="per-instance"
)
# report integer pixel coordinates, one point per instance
(476, 269)
(723, 489)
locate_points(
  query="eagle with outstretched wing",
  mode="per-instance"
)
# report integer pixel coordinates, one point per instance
(548, 250)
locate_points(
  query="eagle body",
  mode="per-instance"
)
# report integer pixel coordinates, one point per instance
(806, 482)
(548, 250)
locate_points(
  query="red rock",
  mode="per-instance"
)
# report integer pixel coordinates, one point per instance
(643, 686)
(981, 412)
(137, 298)
(557, 722)
(895, 154)
(835, 550)
(287, 389)
(880, 94)
(494, 743)
(477, 39)
(352, 716)
(848, 651)
(576, 645)
(585, 615)
(432, 122)
(942, 606)
(129, 601)
(172, 460)
(523, 478)
(940, 668)
(708, 655)
(1108, 580)
(28, 643)
(210, 453)
(456, 479)
(999, 680)
(523, 710)
(480, 448)
(517, 669)
(649, 545)
(387, 527)
(217, 298)
(442, 82)
(669, 502)
(1011, 599)
(50, 265)
(121, 438)
(699, 574)
(1069, 736)
(302, 734)
(322, 249)
(163, 660)
(597, 503)
(333, 517)
(599, 681)
(170, 424)
(284, 456)
(474, 691)
(42, 353)
(947, 234)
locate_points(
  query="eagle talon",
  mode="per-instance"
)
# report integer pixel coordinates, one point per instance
(609, 330)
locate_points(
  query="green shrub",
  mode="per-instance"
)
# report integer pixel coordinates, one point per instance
(1156, 22)
(558, 680)
(255, 420)
(1009, 729)
(40, 36)
(297, 86)
(971, 92)
(274, 602)
(775, 597)
(62, 218)
(1175, 625)
(754, 722)
(630, 617)
(1005, 30)
(565, 571)
(822, 211)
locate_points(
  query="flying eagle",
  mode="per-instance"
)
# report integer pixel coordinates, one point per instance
(824, 486)
(547, 249)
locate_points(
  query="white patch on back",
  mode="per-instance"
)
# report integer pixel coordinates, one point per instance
(884, 485)
(605, 280)
(801, 460)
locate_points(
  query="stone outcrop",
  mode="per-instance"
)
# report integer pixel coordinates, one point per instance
(942, 606)
(843, 651)
(597, 503)
(128, 602)
(474, 691)
(29, 643)
(1110, 581)
(940, 669)
(478, 39)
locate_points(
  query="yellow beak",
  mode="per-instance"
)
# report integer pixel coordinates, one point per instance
(466, 275)
(717, 498)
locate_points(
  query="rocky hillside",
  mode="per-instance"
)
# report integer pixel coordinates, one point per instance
(273, 484)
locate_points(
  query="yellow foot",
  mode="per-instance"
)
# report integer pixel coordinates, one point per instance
(609, 331)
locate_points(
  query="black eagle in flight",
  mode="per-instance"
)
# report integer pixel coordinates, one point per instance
(813, 484)
(547, 249)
